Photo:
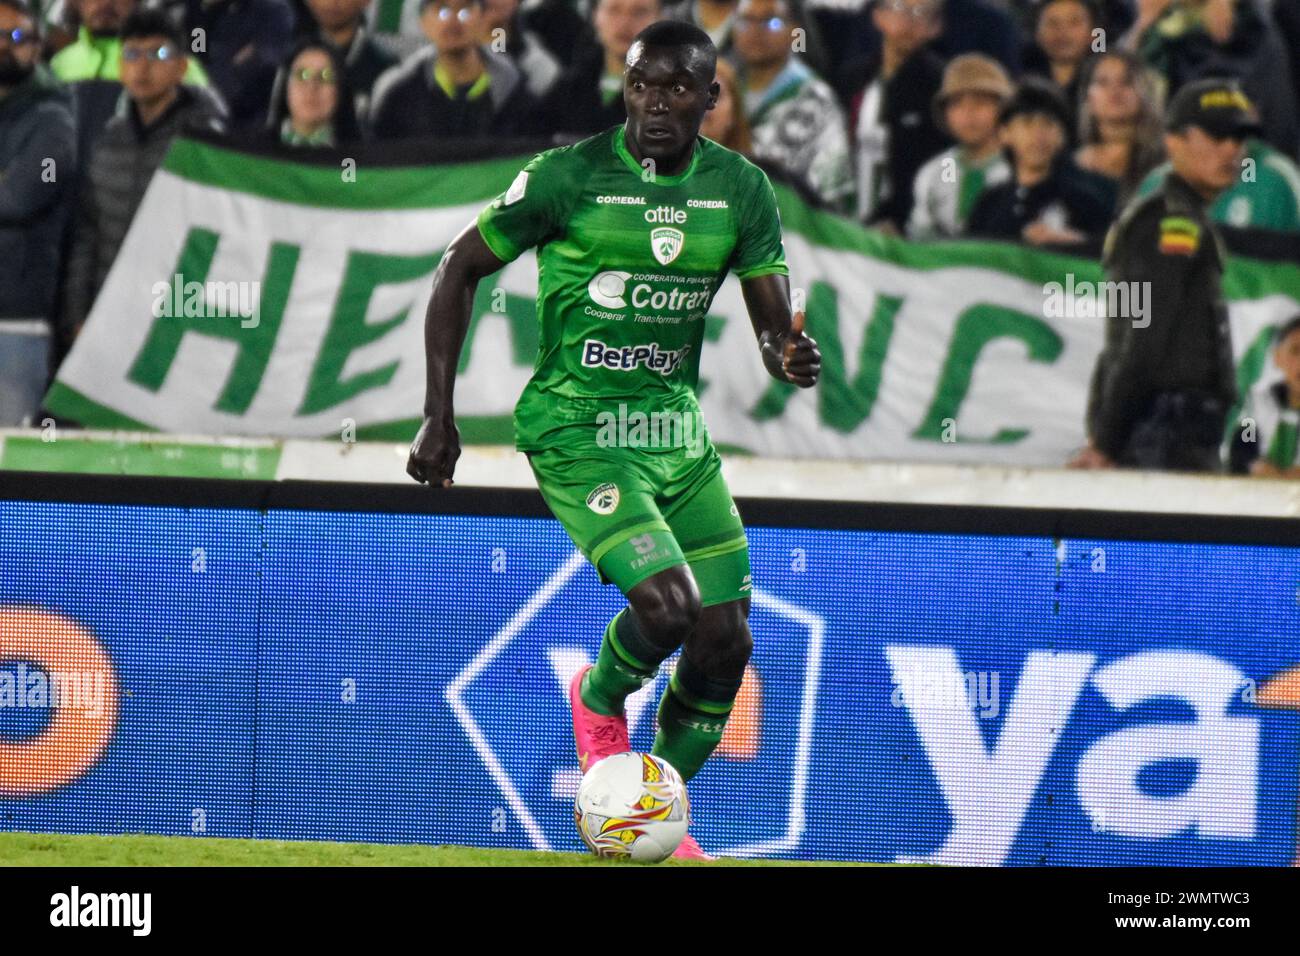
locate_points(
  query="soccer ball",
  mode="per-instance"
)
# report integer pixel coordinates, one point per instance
(634, 806)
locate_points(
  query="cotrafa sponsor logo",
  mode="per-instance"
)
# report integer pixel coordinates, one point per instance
(596, 354)
(610, 289)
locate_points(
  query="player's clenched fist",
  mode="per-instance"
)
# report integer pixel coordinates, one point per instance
(793, 356)
(434, 453)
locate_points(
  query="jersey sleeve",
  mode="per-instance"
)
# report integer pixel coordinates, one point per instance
(531, 210)
(759, 250)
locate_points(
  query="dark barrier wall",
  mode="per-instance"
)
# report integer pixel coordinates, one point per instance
(948, 685)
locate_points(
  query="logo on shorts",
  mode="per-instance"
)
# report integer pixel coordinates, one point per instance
(666, 244)
(603, 499)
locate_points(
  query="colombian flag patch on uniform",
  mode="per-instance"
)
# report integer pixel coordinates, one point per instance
(1179, 236)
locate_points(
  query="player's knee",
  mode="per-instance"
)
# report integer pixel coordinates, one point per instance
(667, 606)
(723, 643)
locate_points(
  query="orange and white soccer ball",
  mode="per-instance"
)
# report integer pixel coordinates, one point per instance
(634, 806)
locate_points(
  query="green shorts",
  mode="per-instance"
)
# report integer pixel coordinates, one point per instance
(634, 513)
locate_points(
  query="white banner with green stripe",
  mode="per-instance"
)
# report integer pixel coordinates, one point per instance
(259, 296)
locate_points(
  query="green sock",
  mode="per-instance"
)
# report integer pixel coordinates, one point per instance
(625, 664)
(692, 716)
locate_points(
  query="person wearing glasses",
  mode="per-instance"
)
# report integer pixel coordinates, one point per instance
(157, 108)
(342, 24)
(795, 121)
(454, 87)
(37, 138)
(96, 54)
(311, 103)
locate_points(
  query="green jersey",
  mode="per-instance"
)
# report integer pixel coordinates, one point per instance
(628, 264)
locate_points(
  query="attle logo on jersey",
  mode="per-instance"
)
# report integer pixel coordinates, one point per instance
(666, 243)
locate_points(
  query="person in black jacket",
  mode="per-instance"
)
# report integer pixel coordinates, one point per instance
(1165, 379)
(454, 87)
(1228, 39)
(560, 27)
(37, 139)
(1286, 14)
(244, 41)
(1048, 200)
(588, 96)
(1063, 41)
(156, 108)
(889, 95)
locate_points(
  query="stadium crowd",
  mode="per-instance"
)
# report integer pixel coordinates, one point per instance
(1037, 121)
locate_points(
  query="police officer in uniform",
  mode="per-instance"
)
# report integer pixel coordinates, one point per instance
(1165, 380)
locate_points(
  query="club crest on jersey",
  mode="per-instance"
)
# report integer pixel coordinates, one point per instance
(603, 498)
(666, 244)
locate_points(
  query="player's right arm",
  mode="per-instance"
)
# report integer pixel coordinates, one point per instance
(532, 210)
(437, 445)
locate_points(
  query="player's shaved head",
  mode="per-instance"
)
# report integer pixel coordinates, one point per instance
(701, 56)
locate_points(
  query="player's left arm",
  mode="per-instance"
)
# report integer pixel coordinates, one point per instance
(788, 354)
(759, 263)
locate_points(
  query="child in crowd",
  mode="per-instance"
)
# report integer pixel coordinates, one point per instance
(975, 88)
(1048, 200)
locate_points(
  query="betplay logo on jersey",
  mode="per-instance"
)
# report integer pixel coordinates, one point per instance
(596, 354)
(666, 243)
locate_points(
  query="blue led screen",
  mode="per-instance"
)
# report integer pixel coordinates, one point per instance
(402, 678)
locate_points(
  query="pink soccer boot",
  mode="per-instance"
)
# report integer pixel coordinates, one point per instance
(689, 849)
(596, 736)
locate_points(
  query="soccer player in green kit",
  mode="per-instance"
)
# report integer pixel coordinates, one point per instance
(635, 229)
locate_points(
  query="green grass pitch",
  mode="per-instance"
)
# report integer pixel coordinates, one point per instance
(56, 849)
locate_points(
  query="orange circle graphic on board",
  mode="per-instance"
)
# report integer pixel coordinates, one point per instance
(80, 691)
